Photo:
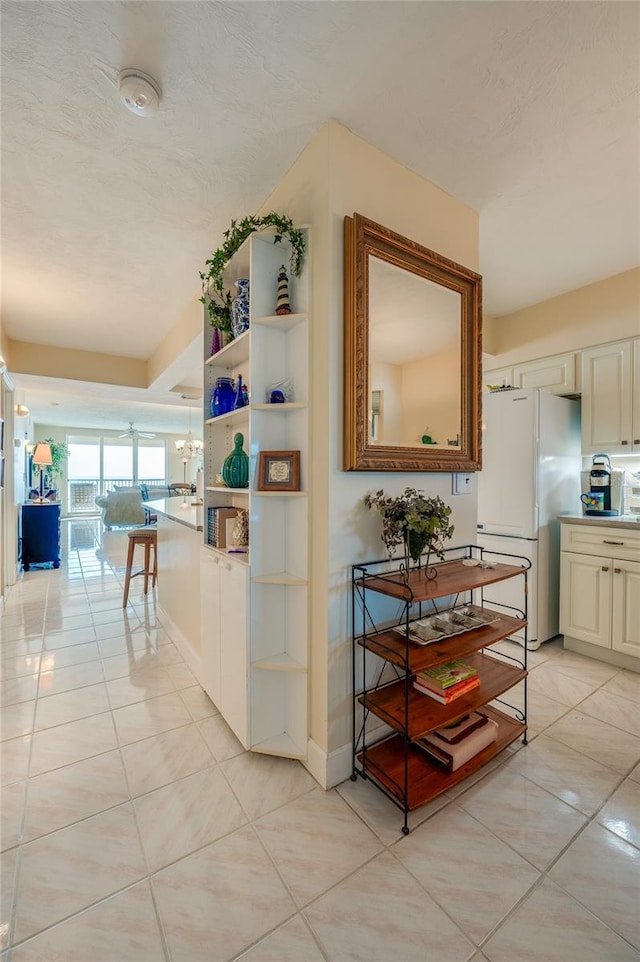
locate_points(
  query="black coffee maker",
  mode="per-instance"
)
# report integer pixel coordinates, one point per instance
(597, 499)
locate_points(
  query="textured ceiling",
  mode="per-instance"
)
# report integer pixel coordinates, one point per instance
(526, 111)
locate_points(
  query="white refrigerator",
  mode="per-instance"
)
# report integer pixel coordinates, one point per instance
(530, 475)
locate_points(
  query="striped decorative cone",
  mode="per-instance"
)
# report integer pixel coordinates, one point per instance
(282, 302)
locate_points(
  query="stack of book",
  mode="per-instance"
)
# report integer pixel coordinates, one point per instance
(447, 682)
(455, 744)
(216, 525)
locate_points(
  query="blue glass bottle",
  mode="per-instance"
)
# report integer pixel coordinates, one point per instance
(240, 399)
(222, 397)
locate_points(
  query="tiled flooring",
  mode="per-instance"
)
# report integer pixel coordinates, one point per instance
(136, 829)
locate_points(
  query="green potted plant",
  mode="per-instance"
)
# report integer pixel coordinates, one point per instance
(59, 454)
(412, 519)
(214, 294)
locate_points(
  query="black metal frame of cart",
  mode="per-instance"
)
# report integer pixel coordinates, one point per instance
(40, 534)
(411, 610)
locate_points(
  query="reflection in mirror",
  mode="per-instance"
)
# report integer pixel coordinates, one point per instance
(412, 353)
(414, 359)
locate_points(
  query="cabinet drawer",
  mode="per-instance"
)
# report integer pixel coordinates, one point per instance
(607, 542)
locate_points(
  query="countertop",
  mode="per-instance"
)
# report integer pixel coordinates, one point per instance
(621, 521)
(182, 509)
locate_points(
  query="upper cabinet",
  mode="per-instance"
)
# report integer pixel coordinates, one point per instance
(557, 375)
(610, 405)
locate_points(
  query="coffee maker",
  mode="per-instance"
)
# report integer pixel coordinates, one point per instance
(602, 488)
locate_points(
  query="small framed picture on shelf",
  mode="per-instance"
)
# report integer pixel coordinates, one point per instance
(278, 471)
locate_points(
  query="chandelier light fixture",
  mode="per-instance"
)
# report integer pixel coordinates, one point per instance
(187, 448)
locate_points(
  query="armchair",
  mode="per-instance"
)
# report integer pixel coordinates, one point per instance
(122, 508)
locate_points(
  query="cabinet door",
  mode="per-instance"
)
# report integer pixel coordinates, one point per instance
(234, 661)
(625, 631)
(607, 398)
(210, 624)
(585, 598)
(503, 377)
(557, 375)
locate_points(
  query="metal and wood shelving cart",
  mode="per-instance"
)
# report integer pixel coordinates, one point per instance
(389, 714)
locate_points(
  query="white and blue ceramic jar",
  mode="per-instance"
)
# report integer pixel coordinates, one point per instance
(240, 308)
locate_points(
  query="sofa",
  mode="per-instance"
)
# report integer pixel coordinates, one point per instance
(123, 507)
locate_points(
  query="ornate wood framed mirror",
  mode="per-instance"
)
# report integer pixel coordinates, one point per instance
(412, 355)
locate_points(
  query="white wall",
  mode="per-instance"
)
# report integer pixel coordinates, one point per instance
(336, 175)
(604, 311)
(431, 397)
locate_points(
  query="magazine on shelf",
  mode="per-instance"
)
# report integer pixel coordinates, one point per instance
(424, 631)
(449, 694)
(444, 676)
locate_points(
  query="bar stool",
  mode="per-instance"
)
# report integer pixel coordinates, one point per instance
(149, 538)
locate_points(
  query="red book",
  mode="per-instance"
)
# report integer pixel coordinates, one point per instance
(451, 693)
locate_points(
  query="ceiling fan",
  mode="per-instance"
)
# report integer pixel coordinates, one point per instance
(132, 432)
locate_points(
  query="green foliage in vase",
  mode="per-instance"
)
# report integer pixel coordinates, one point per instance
(214, 295)
(414, 520)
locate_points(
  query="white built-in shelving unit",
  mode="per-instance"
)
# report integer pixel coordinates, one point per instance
(255, 606)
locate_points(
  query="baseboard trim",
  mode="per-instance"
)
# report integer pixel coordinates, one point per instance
(328, 768)
(617, 658)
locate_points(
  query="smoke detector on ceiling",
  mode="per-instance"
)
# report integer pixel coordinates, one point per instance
(139, 92)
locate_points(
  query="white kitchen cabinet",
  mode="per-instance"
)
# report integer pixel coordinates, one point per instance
(224, 605)
(600, 588)
(502, 377)
(557, 374)
(611, 398)
(585, 598)
(261, 655)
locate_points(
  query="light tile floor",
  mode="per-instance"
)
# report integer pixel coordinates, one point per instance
(135, 828)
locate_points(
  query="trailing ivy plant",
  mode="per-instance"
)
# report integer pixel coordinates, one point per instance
(214, 295)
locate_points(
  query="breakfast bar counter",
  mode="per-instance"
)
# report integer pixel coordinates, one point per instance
(179, 540)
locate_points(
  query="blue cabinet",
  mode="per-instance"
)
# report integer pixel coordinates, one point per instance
(40, 529)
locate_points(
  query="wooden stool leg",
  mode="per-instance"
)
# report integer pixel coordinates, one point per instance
(147, 562)
(155, 563)
(127, 579)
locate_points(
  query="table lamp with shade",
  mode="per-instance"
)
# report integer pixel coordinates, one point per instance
(42, 458)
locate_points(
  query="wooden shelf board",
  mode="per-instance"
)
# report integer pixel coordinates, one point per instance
(237, 414)
(232, 554)
(282, 321)
(279, 578)
(223, 488)
(453, 578)
(234, 353)
(425, 713)
(280, 408)
(280, 662)
(279, 494)
(385, 763)
(392, 646)
(282, 744)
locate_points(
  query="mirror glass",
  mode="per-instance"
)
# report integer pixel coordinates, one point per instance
(414, 359)
(412, 355)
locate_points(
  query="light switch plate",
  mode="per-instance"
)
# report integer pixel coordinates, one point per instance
(461, 483)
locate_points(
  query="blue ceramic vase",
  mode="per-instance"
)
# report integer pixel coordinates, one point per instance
(240, 308)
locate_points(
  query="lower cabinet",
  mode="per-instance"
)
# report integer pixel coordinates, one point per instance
(599, 590)
(40, 534)
(224, 606)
